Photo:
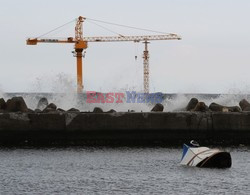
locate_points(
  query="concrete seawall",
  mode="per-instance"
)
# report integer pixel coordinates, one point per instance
(171, 128)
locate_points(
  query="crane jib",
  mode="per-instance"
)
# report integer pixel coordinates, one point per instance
(49, 40)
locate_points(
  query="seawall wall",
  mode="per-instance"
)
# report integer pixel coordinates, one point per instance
(139, 128)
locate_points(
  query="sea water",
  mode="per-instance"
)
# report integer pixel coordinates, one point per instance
(89, 170)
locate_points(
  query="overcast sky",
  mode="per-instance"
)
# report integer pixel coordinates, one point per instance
(212, 57)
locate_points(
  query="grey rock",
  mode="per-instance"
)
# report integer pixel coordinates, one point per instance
(2, 104)
(30, 110)
(236, 109)
(157, 108)
(16, 104)
(97, 110)
(191, 104)
(60, 110)
(73, 110)
(111, 111)
(200, 107)
(50, 108)
(37, 110)
(245, 105)
(42, 103)
(247, 109)
(216, 107)
(220, 108)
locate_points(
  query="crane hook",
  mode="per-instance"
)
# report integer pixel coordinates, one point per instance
(84, 54)
(136, 49)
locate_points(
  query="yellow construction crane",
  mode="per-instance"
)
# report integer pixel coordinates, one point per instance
(81, 43)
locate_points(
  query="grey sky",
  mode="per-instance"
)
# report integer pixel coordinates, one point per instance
(213, 56)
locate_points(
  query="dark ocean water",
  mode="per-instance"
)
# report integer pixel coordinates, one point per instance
(117, 171)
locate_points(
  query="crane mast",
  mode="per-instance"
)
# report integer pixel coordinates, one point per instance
(146, 68)
(81, 43)
(79, 29)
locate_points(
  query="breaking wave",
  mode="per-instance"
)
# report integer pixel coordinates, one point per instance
(60, 90)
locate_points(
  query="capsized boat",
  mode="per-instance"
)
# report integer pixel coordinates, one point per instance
(196, 156)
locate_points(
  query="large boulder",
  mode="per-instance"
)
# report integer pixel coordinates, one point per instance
(2, 104)
(30, 110)
(157, 108)
(191, 104)
(42, 103)
(111, 111)
(247, 109)
(234, 109)
(37, 110)
(73, 110)
(200, 107)
(216, 107)
(97, 110)
(50, 108)
(220, 108)
(60, 110)
(16, 104)
(245, 105)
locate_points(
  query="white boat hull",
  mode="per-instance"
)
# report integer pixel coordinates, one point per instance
(205, 157)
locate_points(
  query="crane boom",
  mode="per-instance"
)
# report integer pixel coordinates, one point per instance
(81, 43)
(133, 38)
(34, 41)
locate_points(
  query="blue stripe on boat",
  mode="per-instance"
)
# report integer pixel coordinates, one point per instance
(185, 149)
